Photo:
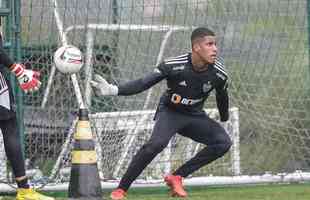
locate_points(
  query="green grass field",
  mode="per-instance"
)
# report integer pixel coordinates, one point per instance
(261, 192)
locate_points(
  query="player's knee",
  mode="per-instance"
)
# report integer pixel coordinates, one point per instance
(224, 146)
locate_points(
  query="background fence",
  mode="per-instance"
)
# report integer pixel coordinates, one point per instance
(265, 44)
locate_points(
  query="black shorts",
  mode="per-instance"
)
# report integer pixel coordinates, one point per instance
(200, 128)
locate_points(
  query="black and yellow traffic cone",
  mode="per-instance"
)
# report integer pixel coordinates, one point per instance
(84, 179)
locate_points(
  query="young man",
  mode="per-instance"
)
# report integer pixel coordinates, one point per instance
(190, 79)
(28, 81)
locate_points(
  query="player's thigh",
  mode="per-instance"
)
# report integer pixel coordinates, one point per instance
(205, 130)
(167, 124)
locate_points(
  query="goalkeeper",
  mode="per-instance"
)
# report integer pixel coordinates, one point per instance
(190, 79)
(28, 81)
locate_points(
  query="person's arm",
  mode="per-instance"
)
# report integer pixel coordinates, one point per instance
(140, 85)
(5, 60)
(103, 88)
(222, 101)
(27, 79)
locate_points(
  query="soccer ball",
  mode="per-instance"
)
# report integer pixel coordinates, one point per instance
(68, 59)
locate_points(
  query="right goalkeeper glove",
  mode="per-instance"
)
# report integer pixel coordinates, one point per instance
(27, 79)
(102, 87)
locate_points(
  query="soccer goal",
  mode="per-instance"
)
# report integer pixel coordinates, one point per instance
(118, 136)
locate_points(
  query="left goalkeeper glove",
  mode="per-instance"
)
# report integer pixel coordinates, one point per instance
(27, 79)
(102, 87)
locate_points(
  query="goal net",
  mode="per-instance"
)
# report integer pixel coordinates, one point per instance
(118, 136)
(265, 45)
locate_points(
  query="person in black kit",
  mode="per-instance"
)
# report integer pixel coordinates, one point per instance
(28, 81)
(190, 79)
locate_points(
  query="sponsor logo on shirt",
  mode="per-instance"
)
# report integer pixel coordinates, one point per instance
(178, 99)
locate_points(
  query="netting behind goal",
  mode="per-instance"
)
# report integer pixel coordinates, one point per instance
(266, 51)
(118, 136)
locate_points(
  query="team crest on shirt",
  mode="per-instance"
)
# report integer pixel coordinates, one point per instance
(183, 83)
(206, 86)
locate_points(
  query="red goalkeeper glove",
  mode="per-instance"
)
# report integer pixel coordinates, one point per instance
(27, 79)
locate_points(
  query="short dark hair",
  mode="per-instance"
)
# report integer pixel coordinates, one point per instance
(201, 32)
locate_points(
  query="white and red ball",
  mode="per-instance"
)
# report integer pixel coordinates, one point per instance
(68, 59)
